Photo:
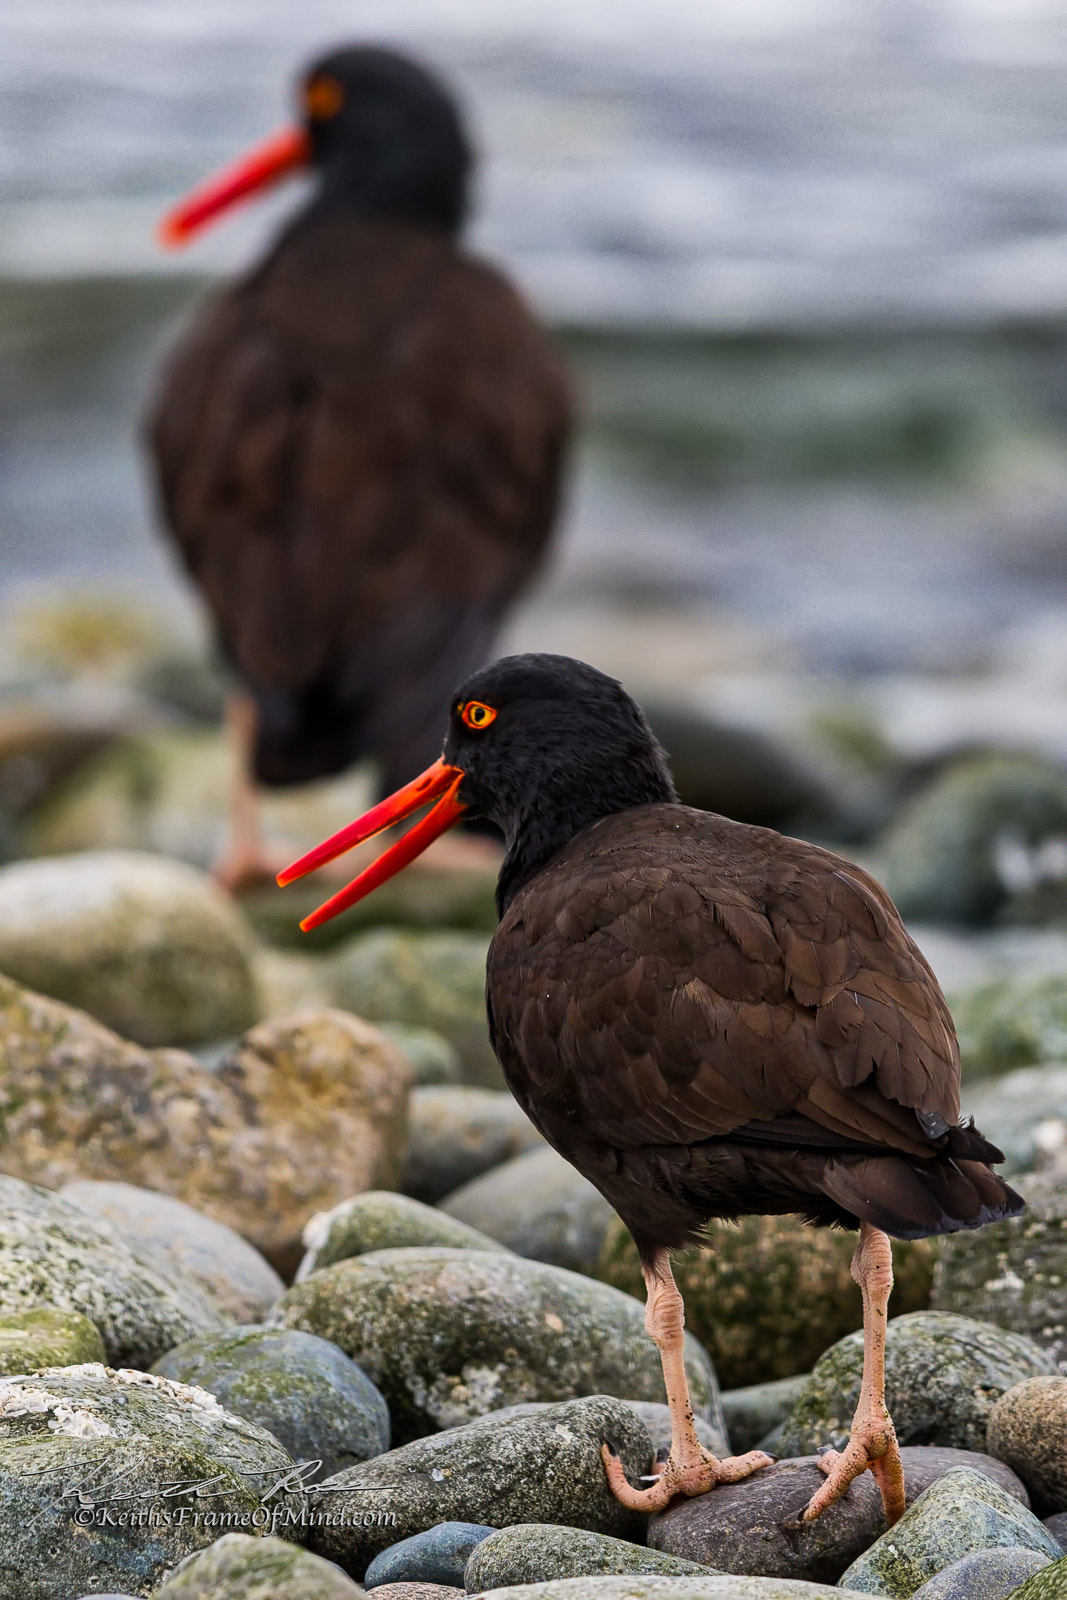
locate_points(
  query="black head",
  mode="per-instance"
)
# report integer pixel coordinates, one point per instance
(548, 746)
(386, 137)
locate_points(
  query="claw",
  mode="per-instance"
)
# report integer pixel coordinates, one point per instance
(694, 1477)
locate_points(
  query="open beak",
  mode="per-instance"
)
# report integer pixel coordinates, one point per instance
(439, 782)
(285, 152)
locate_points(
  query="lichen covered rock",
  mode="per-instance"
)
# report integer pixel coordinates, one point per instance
(539, 1552)
(944, 1374)
(769, 1294)
(381, 1220)
(237, 1567)
(46, 1337)
(450, 1334)
(1028, 1430)
(540, 1206)
(150, 947)
(456, 1134)
(660, 1588)
(984, 1575)
(303, 1390)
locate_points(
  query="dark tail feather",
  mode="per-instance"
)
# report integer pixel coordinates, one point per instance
(912, 1199)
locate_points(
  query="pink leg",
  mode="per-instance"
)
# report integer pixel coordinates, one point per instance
(244, 860)
(872, 1440)
(690, 1469)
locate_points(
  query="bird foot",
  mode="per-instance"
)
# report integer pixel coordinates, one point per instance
(872, 1446)
(238, 869)
(694, 1475)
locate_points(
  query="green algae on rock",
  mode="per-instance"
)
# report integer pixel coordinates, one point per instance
(150, 947)
(537, 1552)
(47, 1337)
(381, 1220)
(769, 1294)
(456, 1133)
(541, 1207)
(944, 1374)
(238, 1567)
(448, 1335)
(1050, 1584)
(1013, 1273)
(962, 1512)
(99, 1472)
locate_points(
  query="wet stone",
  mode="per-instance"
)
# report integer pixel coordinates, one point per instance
(1028, 1430)
(381, 1220)
(448, 1335)
(456, 1134)
(541, 1207)
(537, 1553)
(439, 1556)
(237, 1567)
(986, 1575)
(303, 1390)
(944, 1373)
(960, 1514)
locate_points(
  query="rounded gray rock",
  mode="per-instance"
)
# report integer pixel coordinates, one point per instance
(944, 1373)
(752, 1413)
(660, 1588)
(432, 1059)
(542, 1467)
(237, 1567)
(303, 1390)
(456, 1134)
(237, 1277)
(439, 1555)
(1057, 1526)
(539, 1552)
(655, 1415)
(961, 1513)
(54, 1254)
(1048, 1584)
(540, 1206)
(381, 1220)
(1028, 1430)
(448, 1335)
(986, 1575)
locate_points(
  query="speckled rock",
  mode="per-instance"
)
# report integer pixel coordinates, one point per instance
(53, 1254)
(150, 947)
(306, 1110)
(539, 1552)
(944, 1374)
(1028, 1109)
(770, 1294)
(1013, 1273)
(1015, 1021)
(449, 1334)
(539, 1206)
(304, 1390)
(1057, 1526)
(752, 1413)
(659, 1588)
(1028, 1430)
(456, 1134)
(237, 1567)
(434, 980)
(439, 1555)
(753, 1526)
(47, 1338)
(419, 1591)
(543, 1467)
(951, 853)
(236, 1276)
(381, 1220)
(961, 1513)
(1048, 1584)
(985, 1575)
(77, 1442)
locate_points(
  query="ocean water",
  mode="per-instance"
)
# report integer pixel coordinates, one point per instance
(810, 259)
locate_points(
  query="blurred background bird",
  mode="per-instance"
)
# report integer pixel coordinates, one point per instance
(359, 445)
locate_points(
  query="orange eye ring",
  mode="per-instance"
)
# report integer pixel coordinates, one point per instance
(323, 97)
(476, 714)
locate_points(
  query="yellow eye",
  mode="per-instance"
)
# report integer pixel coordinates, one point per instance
(477, 715)
(323, 98)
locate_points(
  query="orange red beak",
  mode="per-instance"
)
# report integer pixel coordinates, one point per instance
(439, 782)
(285, 152)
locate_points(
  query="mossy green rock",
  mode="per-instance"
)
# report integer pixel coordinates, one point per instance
(944, 1374)
(457, 1133)
(237, 1567)
(950, 854)
(54, 1254)
(87, 1457)
(962, 1512)
(450, 1334)
(236, 1276)
(660, 1588)
(1013, 1273)
(540, 1206)
(537, 1552)
(770, 1294)
(381, 1220)
(302, 1389)
(47, 1338)
(1051, 1584)
(1028, 1430)
(545, 1466)
(434, 980)
(150, 947)
(1017, 1021)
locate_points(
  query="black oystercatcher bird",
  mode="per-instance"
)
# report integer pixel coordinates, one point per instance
(708, 1019)
(359, 445)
